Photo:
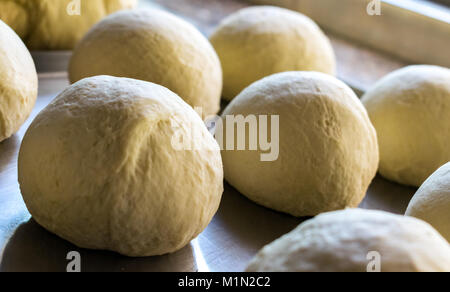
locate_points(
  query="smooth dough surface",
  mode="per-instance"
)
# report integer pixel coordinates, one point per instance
(342, 242)
(410, 109)
(431, 203)
(328, 151)
(155, 46)
(260, 41)
(98, 168)
(18, 82)
(47, 25)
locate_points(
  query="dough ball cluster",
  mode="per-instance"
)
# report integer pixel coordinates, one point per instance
(98, 167)
(18, 82)
(348, 241)
(154, 46)
(410, 109)
(327, 147)
(260, 41)
(120, 160)
(431, 203)
(48, 25)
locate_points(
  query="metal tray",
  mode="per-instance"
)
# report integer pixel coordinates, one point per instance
(237, 232)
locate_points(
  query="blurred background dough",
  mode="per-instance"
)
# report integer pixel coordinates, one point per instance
(47, 25)
(18, 82)
(260, 41)
(155, 46)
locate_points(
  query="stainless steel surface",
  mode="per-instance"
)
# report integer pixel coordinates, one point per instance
(239, 229)
(237, 232)
(51, 61)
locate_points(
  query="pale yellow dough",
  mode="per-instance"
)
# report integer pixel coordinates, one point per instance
(344, 241)
(47, 25)
(98, 168)
(410, 109)
(431, 203)
(155, 46)
(18, 82)
(328, 151)
(259, 41)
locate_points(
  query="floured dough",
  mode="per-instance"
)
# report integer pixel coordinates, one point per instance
(155, 46)
(99, 167)
(259, 41)
(47, 25)
(410, 109)
(431, 203)
(18, 82)
(328, 151)
(356, 241)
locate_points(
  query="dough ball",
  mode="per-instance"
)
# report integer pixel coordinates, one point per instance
(98, 167)
(154, 46)
(345, 241)
(431, 203)
(14, 13)
(18, 82)
(323, 153)
(410, 109)
(48, 25)
(259, 41)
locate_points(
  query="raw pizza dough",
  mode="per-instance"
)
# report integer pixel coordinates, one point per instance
(99, 168)
(155, 46)
(18, 82)
(353, 241)
(328, 151)
(410, 109)
(431, 203)
(47, 24)
(259, 41)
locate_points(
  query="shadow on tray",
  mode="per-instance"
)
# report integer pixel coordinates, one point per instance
(33, 249)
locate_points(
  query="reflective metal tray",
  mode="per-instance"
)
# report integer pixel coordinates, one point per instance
(237, 232)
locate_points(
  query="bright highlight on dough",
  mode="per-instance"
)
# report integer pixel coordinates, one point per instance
(431, 203)
(410, 109)
(356, 241)
(328, 151)
(155, 46)
(97, 168)
(18, 82)
(56, 24)
(260, 41)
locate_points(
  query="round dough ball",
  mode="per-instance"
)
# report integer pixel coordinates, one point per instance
(347, 241)
(431, 203)
(410, 109)
(327, 150)
(260, 41)
(155, 46)
(49, 25)
(18, 82)
(14, 13)
(98, 167)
